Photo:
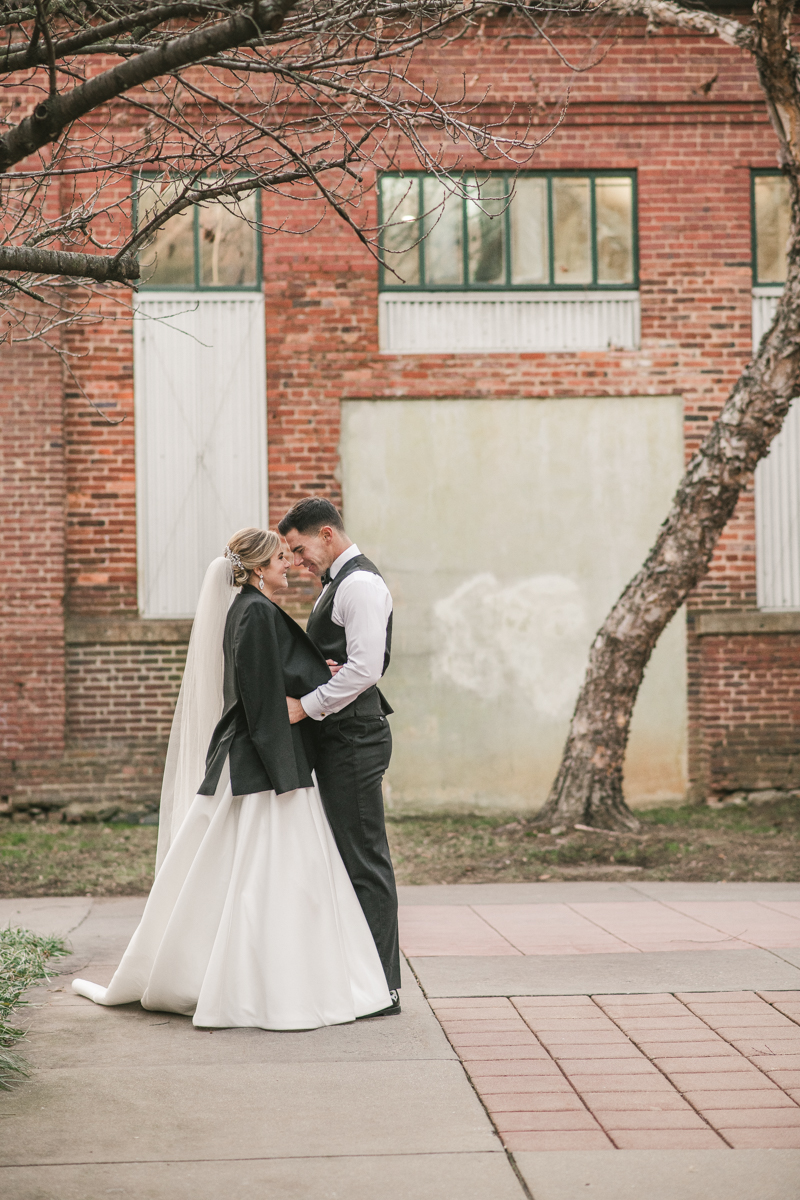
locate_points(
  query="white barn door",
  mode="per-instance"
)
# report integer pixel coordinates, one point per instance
(777, 493)
(778, 519)
(201, 437)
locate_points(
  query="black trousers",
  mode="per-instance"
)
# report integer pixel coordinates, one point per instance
(352, 756)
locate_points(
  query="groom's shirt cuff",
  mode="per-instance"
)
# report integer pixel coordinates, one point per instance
(312, 706)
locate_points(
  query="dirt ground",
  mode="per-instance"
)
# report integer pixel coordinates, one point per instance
(689, 843)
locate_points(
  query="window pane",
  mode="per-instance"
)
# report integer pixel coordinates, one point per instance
(443, 245)
(572, 244)
(773, 212)
(167, 260)
(400, 210)
(486, 230)
(613, 199)
(529, 238)
(228, 243)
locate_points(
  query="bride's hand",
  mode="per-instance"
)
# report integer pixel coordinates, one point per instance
(334, 666)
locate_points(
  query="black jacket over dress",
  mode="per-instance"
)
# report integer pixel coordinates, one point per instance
(267, 658)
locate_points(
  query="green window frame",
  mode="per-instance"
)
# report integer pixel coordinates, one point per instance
(770, 213)
(508, 189)
(198, 284)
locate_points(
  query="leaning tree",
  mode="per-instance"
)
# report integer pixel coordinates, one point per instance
(588, 787)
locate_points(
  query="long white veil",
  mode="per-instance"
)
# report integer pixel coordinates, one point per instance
(199, 704)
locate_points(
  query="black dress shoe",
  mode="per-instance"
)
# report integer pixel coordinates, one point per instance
(393, 1008)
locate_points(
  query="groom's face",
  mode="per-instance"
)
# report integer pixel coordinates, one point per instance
(314, 551)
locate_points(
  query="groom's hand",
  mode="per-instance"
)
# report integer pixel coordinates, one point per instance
(296, 710)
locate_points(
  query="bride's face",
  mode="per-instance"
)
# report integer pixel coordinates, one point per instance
(275, 573)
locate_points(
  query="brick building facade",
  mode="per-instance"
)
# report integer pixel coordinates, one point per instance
(89, 683)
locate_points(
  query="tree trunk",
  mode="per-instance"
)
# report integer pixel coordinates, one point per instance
(588, 787)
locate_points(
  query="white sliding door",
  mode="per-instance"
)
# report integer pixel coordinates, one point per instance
(778, 518)
(201, 436)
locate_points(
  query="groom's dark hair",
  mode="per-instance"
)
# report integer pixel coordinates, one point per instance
(309, 515)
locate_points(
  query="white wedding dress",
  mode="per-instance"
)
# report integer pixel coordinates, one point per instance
(252, 919)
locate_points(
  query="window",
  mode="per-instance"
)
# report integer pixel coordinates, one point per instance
(544, 230)
(771, 215)
(207, 246)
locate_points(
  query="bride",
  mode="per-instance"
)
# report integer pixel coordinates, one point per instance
(252, 919)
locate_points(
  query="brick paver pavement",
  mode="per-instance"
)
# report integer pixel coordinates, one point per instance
(650, 1026)
(685, 1072)
(592, 928)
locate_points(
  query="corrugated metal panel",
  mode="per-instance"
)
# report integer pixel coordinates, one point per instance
(778, 519)
(765, 301)
(488, 322)
(201, 437)
(777, 492)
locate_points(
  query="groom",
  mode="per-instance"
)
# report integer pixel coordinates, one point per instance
(351, 624)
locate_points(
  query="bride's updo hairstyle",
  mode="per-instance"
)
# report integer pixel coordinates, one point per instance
(250, 548)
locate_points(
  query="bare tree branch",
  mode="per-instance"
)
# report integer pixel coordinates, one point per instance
(100, 268)
(305, 99)
(197, 193)
(41, 21)
(50, 117)
(16, 56)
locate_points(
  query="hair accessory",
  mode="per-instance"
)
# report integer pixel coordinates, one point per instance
(235, 559)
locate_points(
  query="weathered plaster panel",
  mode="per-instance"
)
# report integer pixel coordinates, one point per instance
(506, 529)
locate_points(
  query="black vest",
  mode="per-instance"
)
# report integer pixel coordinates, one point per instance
(331, 641)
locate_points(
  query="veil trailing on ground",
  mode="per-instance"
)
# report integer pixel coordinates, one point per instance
(199, 704)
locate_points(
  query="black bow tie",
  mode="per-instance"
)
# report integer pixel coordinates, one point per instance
(325, 577)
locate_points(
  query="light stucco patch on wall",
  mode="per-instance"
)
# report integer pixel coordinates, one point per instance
(506, 529)
(528, 638)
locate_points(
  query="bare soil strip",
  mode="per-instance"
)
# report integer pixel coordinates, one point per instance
(752, 842)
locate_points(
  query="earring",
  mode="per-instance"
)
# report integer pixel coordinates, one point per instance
(261, 582)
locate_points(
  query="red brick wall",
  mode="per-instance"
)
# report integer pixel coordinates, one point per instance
(650, 105)
(122, 693)
(731, 580)
(120, 698)
(730, 707)
(747, 712)
(101, 474)
(32, 553)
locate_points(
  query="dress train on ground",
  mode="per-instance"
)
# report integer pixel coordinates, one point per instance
(252, 921)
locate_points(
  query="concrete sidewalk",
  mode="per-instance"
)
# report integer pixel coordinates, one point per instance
(142, 1105)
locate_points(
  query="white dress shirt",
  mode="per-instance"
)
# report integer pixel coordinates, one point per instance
(362, 607)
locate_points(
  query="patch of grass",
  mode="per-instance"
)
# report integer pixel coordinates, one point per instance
(23, 962)
(76, 860)
(686, 843)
